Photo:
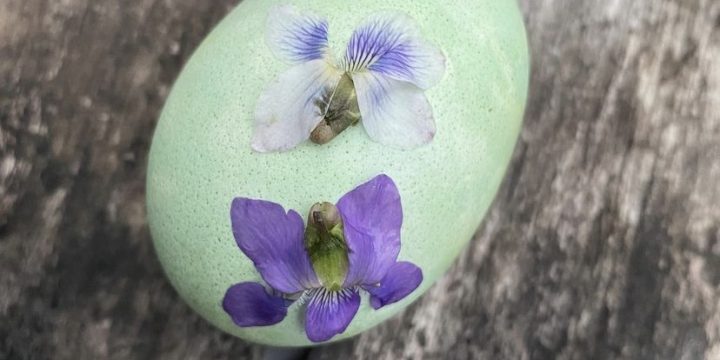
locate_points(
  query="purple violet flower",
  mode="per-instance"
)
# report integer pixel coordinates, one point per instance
(380, 80)
(345, 248)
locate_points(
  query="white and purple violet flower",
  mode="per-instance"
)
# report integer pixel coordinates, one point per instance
(380, 81)
(346, 247)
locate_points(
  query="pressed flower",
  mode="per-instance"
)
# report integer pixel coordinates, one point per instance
(347, 247)
(379, 81)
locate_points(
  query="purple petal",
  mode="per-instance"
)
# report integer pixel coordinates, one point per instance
(329, 313)
(394, 112)
(401, 279)
(391, 44)
(372, 217)
(273, 240)
(248, 304)
(296, 36)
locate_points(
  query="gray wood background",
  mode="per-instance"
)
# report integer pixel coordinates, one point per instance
(604, 242)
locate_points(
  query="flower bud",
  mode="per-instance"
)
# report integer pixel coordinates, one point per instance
(325, 243)
(340, 110)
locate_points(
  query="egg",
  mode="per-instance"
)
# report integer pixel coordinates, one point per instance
(202, 157)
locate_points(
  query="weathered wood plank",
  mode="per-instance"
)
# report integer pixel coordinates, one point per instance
(603, 243)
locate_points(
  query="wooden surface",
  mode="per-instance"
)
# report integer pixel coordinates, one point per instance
(604, 241)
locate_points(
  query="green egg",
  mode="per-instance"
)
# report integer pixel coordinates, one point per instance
(201, 156)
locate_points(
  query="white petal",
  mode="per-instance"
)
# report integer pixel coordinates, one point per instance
(394, 112)
(391, 44)
(296, 36)
(286, 113)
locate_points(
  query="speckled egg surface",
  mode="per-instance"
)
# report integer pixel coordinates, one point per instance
(201, 156)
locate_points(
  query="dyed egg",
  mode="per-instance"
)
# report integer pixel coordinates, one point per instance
(439, 91)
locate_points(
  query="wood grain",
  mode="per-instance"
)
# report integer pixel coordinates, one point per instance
(604, 241)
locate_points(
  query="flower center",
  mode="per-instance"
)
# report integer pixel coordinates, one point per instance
(325, 243)
(340, 110)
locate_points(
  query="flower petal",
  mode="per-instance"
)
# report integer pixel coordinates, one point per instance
(248, 304)
(329, 313)
(273, 240)
(391, 44)
(372, 217)
(286, 112)
(401, 279)
(394, 113)
(296, 36)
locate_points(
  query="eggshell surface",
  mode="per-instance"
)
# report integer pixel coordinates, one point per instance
(201, 156)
